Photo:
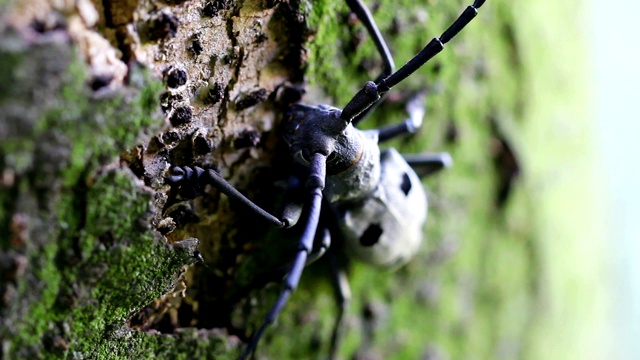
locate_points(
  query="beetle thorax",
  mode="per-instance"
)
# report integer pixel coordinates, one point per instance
(352, 155)
(361, 177)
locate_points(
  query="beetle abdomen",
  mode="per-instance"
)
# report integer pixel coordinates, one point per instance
(386, 229)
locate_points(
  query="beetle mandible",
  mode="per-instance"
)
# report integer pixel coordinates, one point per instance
(375, 200)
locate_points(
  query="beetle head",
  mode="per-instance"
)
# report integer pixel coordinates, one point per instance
(319, 129)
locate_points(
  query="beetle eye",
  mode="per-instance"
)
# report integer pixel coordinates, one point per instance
(305, 155)
(302, 157)
(331, 157)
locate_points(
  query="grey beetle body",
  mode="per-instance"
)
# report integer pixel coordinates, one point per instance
(386, 228)
(377, 197)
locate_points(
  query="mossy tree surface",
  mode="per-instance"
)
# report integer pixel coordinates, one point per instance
(94, 261)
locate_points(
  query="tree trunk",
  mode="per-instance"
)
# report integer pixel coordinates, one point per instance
(99, 100)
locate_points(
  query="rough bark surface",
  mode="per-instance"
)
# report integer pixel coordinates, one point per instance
(99, 99)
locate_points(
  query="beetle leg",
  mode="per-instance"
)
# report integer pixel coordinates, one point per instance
(416, 110)
(221, 184)
(323, 242)
(191, 180)
(314, 184)
(426, 164)
(343, 299)
(364, 15)
(293, 201)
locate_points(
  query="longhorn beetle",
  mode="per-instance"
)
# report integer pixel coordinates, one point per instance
(374, 198)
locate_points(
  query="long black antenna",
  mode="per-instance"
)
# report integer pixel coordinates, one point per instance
(371, 91)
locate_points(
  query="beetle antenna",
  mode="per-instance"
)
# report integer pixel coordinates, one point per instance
(361, 11)
(371, 92)
(432, 49)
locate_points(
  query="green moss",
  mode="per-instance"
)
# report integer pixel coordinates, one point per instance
(324, 66)
(188, 344)
(37, 320)
(139, 267)
(94, 260)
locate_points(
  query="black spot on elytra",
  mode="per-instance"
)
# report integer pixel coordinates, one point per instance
(371, 236)
(406, 184)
